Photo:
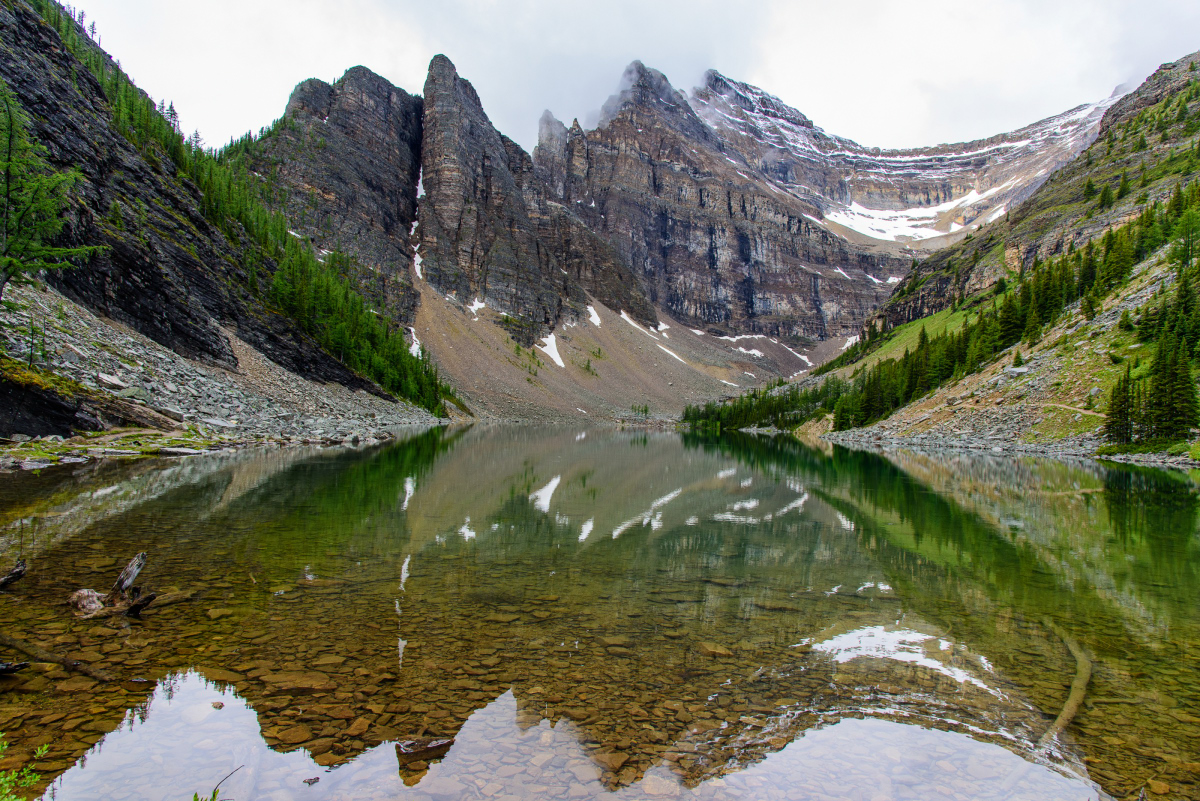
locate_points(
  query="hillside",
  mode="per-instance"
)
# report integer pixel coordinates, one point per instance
(185, 255)
(1089, 342)
(1142, 137)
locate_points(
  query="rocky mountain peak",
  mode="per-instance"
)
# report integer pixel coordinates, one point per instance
(646, 90)
(345, 158)
(489, 232)
(753, 99)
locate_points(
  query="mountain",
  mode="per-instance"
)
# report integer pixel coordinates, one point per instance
(487, 231)
(919, 198)
(186, 256)
(738, 213)
(370, 226)
(1063, 213)
(342, 164)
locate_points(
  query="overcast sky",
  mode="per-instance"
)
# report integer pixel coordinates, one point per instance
(885, 73)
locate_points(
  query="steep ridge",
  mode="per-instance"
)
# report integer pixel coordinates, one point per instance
(712, 245)
(343, 164)
(487, 232)
(918, 198)
(166, 271)
(738, 212)
(1063, 212)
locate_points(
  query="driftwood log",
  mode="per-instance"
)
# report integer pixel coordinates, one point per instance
(8, 668)
(1079, 685)
(120, 591)
(14, 574)
(134, 608)
(42, 655)
(122, 599)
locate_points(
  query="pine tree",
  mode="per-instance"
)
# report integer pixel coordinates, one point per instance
(32, 200)
(1125, 186)
(1187, 239)
(1118, 426)
(1106, 197)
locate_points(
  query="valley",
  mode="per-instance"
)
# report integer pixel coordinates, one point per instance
(696, 452)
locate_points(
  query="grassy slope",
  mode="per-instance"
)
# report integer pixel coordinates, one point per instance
(1076, 361)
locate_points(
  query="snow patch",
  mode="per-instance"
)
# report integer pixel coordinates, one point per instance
(475, 306)
(697, 332)
(671, 354)
(625, 316)
(595, 318)
(850, 342)
(755, 352)
(551, 350)
(586, 529)
(415, 347)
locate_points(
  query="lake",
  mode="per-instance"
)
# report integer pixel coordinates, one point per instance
(601, 614)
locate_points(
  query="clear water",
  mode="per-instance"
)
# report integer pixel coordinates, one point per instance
(610, 615)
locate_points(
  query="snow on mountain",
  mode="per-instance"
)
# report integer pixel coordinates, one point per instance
(906, 197)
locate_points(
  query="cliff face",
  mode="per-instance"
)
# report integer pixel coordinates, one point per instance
(166, 271)
(487, 230)
(710, 240)
(919, 197)
(343, 164)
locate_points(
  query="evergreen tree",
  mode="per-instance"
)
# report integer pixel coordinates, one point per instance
(1187, 239)
(1033, 326)
(1106, 197)
(1125, 186)
(33, 199)
(1118, 425)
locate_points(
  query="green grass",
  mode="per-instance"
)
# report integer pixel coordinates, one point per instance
(905, 337)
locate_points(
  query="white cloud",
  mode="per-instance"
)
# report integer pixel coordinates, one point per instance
(883, 73)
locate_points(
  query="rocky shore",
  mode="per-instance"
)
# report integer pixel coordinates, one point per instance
(1082, 447)
(188, 406)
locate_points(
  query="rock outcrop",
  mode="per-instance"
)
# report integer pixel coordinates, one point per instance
(488, 231)
(343, 164)
(710, 239)
(165, 270)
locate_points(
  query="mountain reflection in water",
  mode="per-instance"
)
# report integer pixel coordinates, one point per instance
(634, 615)
(182, 735)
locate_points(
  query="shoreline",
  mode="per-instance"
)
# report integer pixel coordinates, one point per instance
(1063, 450)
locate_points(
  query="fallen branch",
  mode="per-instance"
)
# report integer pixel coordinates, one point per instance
(42, 655)
(1083, 675)
(14, 574)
